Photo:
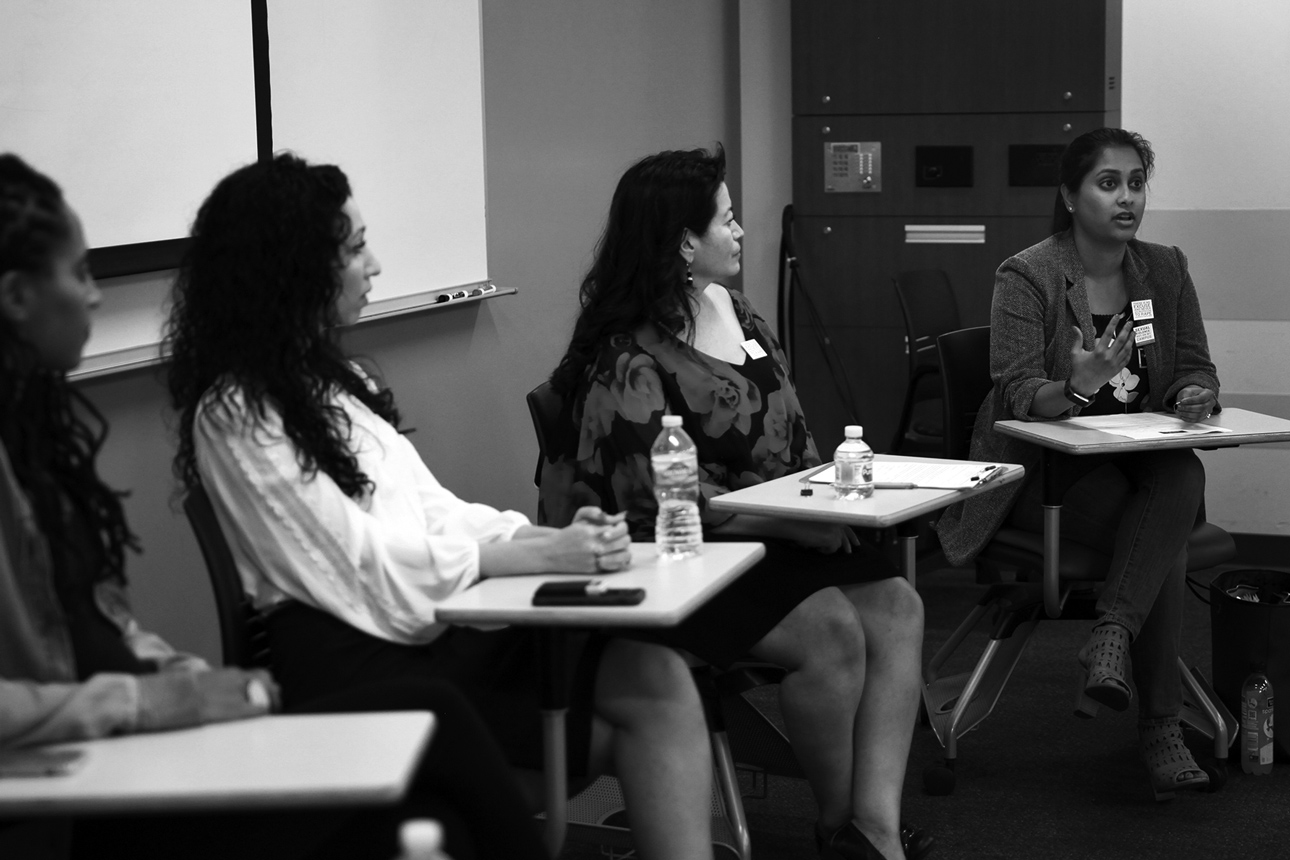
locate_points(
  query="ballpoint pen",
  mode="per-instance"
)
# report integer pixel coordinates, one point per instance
(991, 472)
(904, 486)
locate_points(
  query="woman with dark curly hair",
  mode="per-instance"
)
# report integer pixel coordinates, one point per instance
(74, 664)
(1063, 342)
(344, 538)
(659, 333)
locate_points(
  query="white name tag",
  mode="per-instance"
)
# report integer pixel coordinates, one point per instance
(1142, 311)
(754, 350)
(1143, 335)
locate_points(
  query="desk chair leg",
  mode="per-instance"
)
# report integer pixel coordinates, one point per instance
(1052, 504)
(731, 799)
(907, 538)
(1052, 560)
(1202, 696)
(555, 704)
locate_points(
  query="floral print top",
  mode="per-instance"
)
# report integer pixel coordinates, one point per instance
(745, 420)
(1128, 390)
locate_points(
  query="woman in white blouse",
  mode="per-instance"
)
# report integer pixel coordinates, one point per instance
(344, 538)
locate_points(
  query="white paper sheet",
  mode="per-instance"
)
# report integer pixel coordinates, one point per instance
(1145, 425)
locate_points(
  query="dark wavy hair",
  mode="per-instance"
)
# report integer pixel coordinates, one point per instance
(639, 275)
(1080, 156)
(51, 432)
(253, 311)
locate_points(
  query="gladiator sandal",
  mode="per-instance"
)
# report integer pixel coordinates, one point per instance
(1104, 657)
(1169, 762)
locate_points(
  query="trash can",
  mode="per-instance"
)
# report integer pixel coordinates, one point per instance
(1249, 612)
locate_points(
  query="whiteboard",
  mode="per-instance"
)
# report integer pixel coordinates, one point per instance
(138, 107)
(392, 91)
(135, 107)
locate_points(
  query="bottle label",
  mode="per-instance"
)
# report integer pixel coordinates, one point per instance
(674, 469)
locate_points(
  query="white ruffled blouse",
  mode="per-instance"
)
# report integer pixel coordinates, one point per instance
(381, 563)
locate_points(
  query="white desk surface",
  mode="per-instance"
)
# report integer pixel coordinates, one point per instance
(783, 497)
(1247, 428)
(672, 591)
(266, 763)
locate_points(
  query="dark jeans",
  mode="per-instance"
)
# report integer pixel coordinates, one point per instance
(1139, 509)
(463, 781)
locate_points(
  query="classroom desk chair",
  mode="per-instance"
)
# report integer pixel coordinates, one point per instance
(958, 704)
(243, 639)
(722, 692)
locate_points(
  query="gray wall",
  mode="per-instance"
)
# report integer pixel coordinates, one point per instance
(574, 91)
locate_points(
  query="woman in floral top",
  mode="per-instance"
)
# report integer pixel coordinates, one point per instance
(657, 334)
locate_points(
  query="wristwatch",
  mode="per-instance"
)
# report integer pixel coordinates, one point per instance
(1074, 396)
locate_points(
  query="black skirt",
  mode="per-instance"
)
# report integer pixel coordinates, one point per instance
(723, 630)
(315, 654)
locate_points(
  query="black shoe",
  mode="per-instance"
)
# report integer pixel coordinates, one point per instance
(848, 842)
(916, 842)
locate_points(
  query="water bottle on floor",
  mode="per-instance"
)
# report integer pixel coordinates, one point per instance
(421, 839)
(1256, 724)
(853, 466)
(677, 531)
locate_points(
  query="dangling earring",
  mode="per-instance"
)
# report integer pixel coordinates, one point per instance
(689, 278)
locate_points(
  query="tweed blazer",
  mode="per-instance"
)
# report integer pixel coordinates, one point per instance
(1039, 299)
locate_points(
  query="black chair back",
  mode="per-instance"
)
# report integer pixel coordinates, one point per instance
(930, 310)
(544, 408)
(242, 635)
(965, 383)
(928, 305)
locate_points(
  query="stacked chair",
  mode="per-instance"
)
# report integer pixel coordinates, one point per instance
(928, 305)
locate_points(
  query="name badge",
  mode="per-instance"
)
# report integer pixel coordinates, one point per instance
(1142, 311)
(754, 350)
(1143, 335)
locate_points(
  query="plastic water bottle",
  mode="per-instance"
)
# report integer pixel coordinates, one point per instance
(677, 531)
(421, 839)
(853, 466)
(1256, 724)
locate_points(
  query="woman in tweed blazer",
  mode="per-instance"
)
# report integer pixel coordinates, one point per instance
(1062, 343)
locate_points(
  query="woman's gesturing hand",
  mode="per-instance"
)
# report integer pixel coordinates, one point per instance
(1195, 403)
(1092, 368)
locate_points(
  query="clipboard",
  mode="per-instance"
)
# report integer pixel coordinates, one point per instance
(903, 475)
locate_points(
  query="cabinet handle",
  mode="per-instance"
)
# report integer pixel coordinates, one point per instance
(1066, 126)
(1066, 96)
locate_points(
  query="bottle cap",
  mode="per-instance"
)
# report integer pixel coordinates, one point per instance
(853, 431)
(671, 420)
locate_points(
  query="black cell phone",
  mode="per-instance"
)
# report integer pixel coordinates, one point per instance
(585, 592)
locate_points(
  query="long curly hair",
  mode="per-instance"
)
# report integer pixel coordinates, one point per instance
(638, 274)
(253, 312)
(1082, 153)
(51, 432)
